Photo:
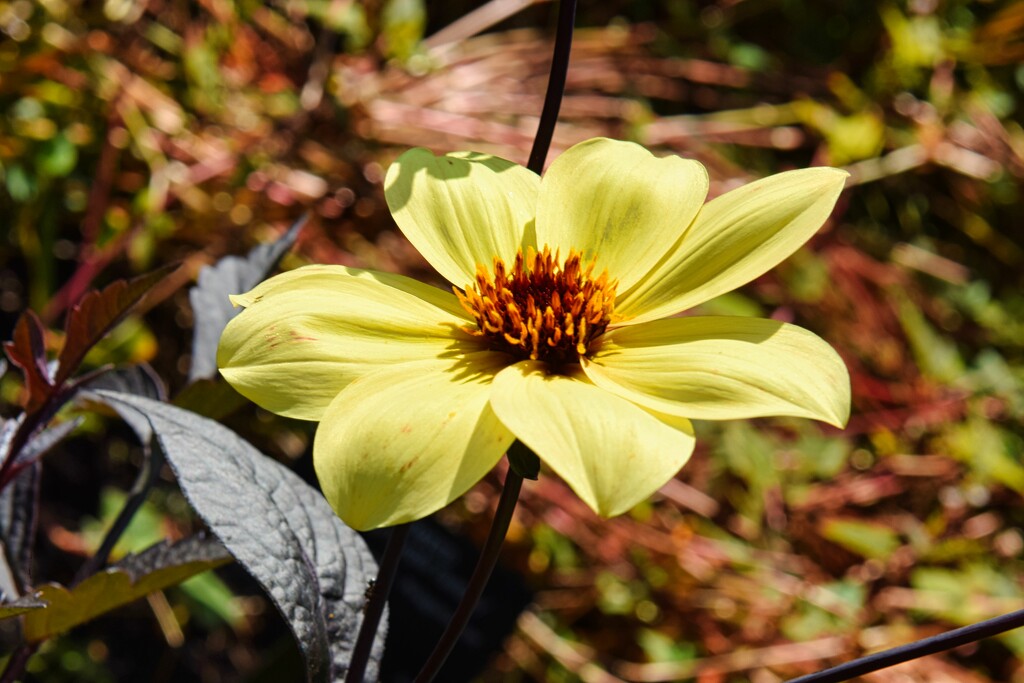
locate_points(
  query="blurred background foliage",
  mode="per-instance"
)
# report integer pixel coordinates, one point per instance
(139, 132)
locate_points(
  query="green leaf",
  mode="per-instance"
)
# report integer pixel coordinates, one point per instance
(662, 648)
(22, 606)
(867, 539)
(750, 455)
(968, 595)
(57, 156)
(732, 303)
(214, 600)
(348, 19)
(821, 456)
(403, 23)
(145, 528)
(20, 185)
(161, 566)
(936, 355)
(835, 610)
(991, 453)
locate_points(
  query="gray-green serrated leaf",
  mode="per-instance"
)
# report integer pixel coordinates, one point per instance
(211, 308)
(314, 568)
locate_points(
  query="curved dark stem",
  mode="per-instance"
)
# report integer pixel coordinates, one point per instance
(477, 582)
(152, 461)
(513, 480)
(920, 648)
(17, 663)
(31, 424)
(375, 605)
(556, 86)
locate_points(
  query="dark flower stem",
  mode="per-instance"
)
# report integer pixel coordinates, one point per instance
(920, 648)
(477, 582)
(513, 480)
(375, 604)
(152, 462)
(18, 662)
(556, 85)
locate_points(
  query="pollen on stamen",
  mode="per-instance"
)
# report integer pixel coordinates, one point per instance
(541, 308)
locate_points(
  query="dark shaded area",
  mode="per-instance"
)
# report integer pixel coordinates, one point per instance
(435, 568)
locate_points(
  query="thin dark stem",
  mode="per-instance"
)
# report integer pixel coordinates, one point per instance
(920, 648)
(31, 424)
(152, 461)
(556, 85)
(513, 480)
(375, 605)
(477, 582)
(18, 662)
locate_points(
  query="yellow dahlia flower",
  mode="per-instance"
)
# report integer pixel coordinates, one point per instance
(556, 333)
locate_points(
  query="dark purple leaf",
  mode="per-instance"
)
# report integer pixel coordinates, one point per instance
(28, 351)
(97, 313)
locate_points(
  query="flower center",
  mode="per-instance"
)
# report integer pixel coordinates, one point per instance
(540, 308)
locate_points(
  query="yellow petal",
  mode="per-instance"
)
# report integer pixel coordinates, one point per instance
(618, 201)
(401, 443)
(720, 368)
(462, 209)
(734, 239)
(612, 453)
(326, 275)
(308, 333)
